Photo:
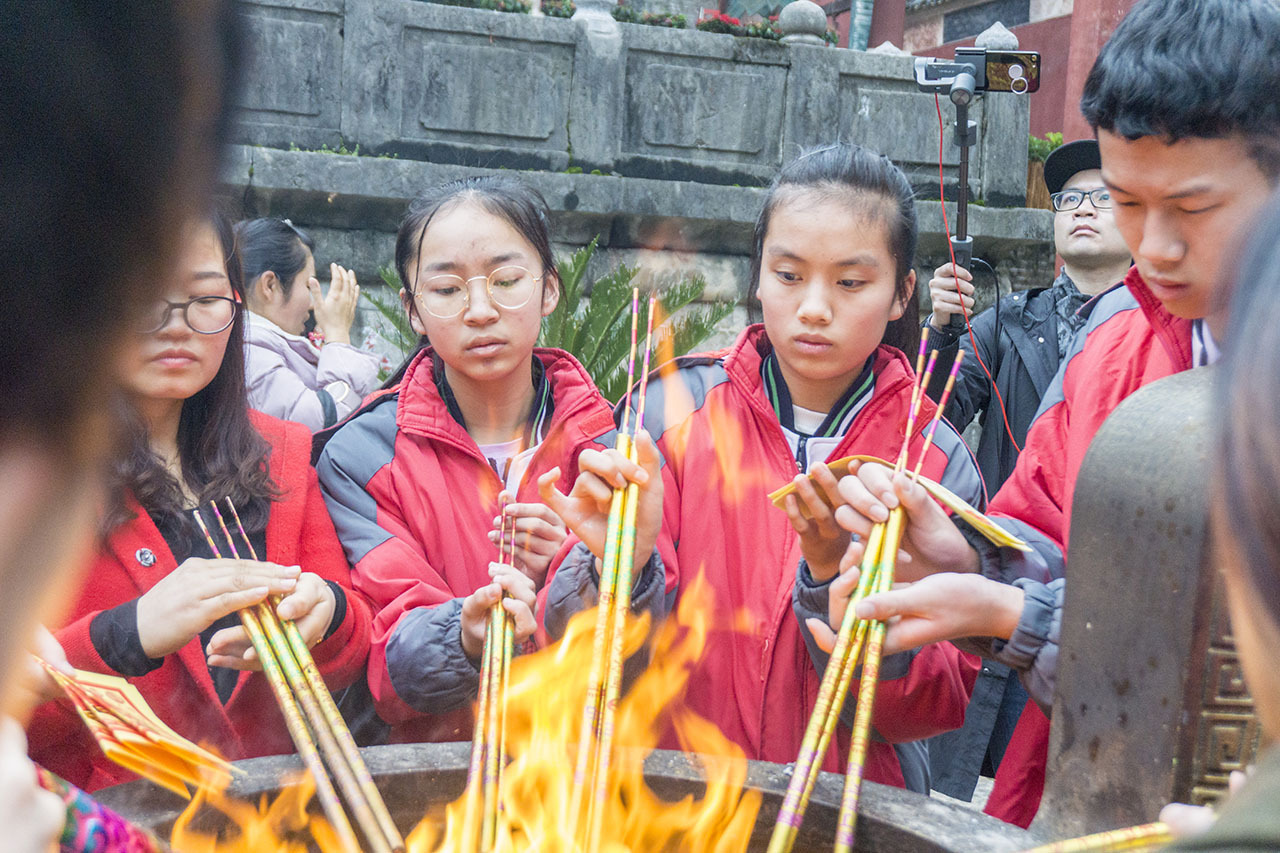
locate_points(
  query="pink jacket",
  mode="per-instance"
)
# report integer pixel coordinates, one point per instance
(291, 378)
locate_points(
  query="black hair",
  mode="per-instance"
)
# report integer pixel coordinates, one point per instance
(1246, 476)
(222, 454)
(1181, 69)
(505, 197)
(272, 245)
(113, 120)
(871, 183)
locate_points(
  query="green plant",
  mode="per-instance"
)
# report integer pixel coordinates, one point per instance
(558, 8)
(401, 337)
(627, 15)
(522, 7)
(1039, 149)
(596, 327)
(766, 28)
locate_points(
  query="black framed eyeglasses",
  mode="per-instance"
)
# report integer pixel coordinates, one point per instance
(206, 315)
(1071, 199)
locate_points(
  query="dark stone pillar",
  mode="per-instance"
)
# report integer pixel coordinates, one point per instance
(1151, 706)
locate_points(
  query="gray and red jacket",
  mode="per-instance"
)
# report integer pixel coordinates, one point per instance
(724, 450)
(412, 499)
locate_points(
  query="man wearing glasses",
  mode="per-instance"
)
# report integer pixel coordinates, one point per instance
(1022, 340)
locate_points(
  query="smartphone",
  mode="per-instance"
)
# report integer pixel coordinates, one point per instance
(1016, 71)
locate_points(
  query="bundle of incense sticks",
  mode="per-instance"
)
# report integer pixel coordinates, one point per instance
(1145, 837)
(604, 679)
(488, 744)
(879, 563)
(314, 722)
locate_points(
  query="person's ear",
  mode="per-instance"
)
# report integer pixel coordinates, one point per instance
(550, 292)
(411, 311)
(268, 287)
(900, 304)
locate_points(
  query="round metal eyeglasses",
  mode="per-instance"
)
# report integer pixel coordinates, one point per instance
(1071, 199)
(206, 315)
(447, 296)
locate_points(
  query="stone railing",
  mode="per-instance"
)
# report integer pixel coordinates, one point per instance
(655, 139)
(478, 88)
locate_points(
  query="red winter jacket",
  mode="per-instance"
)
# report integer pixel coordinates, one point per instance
(724, 451)
(413, 500)
(181, 691)
(1130, 341)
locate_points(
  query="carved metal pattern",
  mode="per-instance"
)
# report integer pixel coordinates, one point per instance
(1227, 730)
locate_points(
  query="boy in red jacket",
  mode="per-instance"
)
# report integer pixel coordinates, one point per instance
(1183, 101)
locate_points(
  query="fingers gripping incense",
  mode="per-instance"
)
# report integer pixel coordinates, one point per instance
(346, 743)
(292, 716)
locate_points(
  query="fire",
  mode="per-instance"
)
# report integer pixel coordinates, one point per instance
(544, 705)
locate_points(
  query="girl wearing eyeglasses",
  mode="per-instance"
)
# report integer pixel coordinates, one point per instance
(417, 479)
(316, 380)
(155, 606)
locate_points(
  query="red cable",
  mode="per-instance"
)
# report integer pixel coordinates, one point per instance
(946, 229)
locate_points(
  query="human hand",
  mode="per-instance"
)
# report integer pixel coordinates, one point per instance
(31, 816)
(520, 603)
(534, 533)
(930, 541)
(336, 310)
(944, 606)
(310, 606)
(35, 685)
(822, 541)
(200, 592)
(943, 296)
(1186, 820)
(586, 508)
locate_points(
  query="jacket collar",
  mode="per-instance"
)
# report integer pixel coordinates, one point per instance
(578, 406)
(1174, 333)
(892, 371)
(260, 329)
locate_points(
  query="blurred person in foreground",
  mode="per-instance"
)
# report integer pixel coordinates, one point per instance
(113, 117)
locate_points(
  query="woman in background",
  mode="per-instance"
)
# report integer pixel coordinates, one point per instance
(315, 380)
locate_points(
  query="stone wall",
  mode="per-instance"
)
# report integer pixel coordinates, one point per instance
(656, 140)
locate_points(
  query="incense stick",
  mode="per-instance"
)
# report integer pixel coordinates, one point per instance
(290, 656)
(846, 821)
(846, 825)
(877, 570)
(292, 716)
(333, 717)
(831, 692)
(621, 606)
(942, 405)
(588, 754)
(1142, 837)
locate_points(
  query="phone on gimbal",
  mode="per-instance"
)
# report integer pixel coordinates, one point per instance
(1016, 71)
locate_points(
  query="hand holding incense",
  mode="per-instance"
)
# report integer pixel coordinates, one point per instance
(284, 660)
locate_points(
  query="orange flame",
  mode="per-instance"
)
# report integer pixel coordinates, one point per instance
(544, 701)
